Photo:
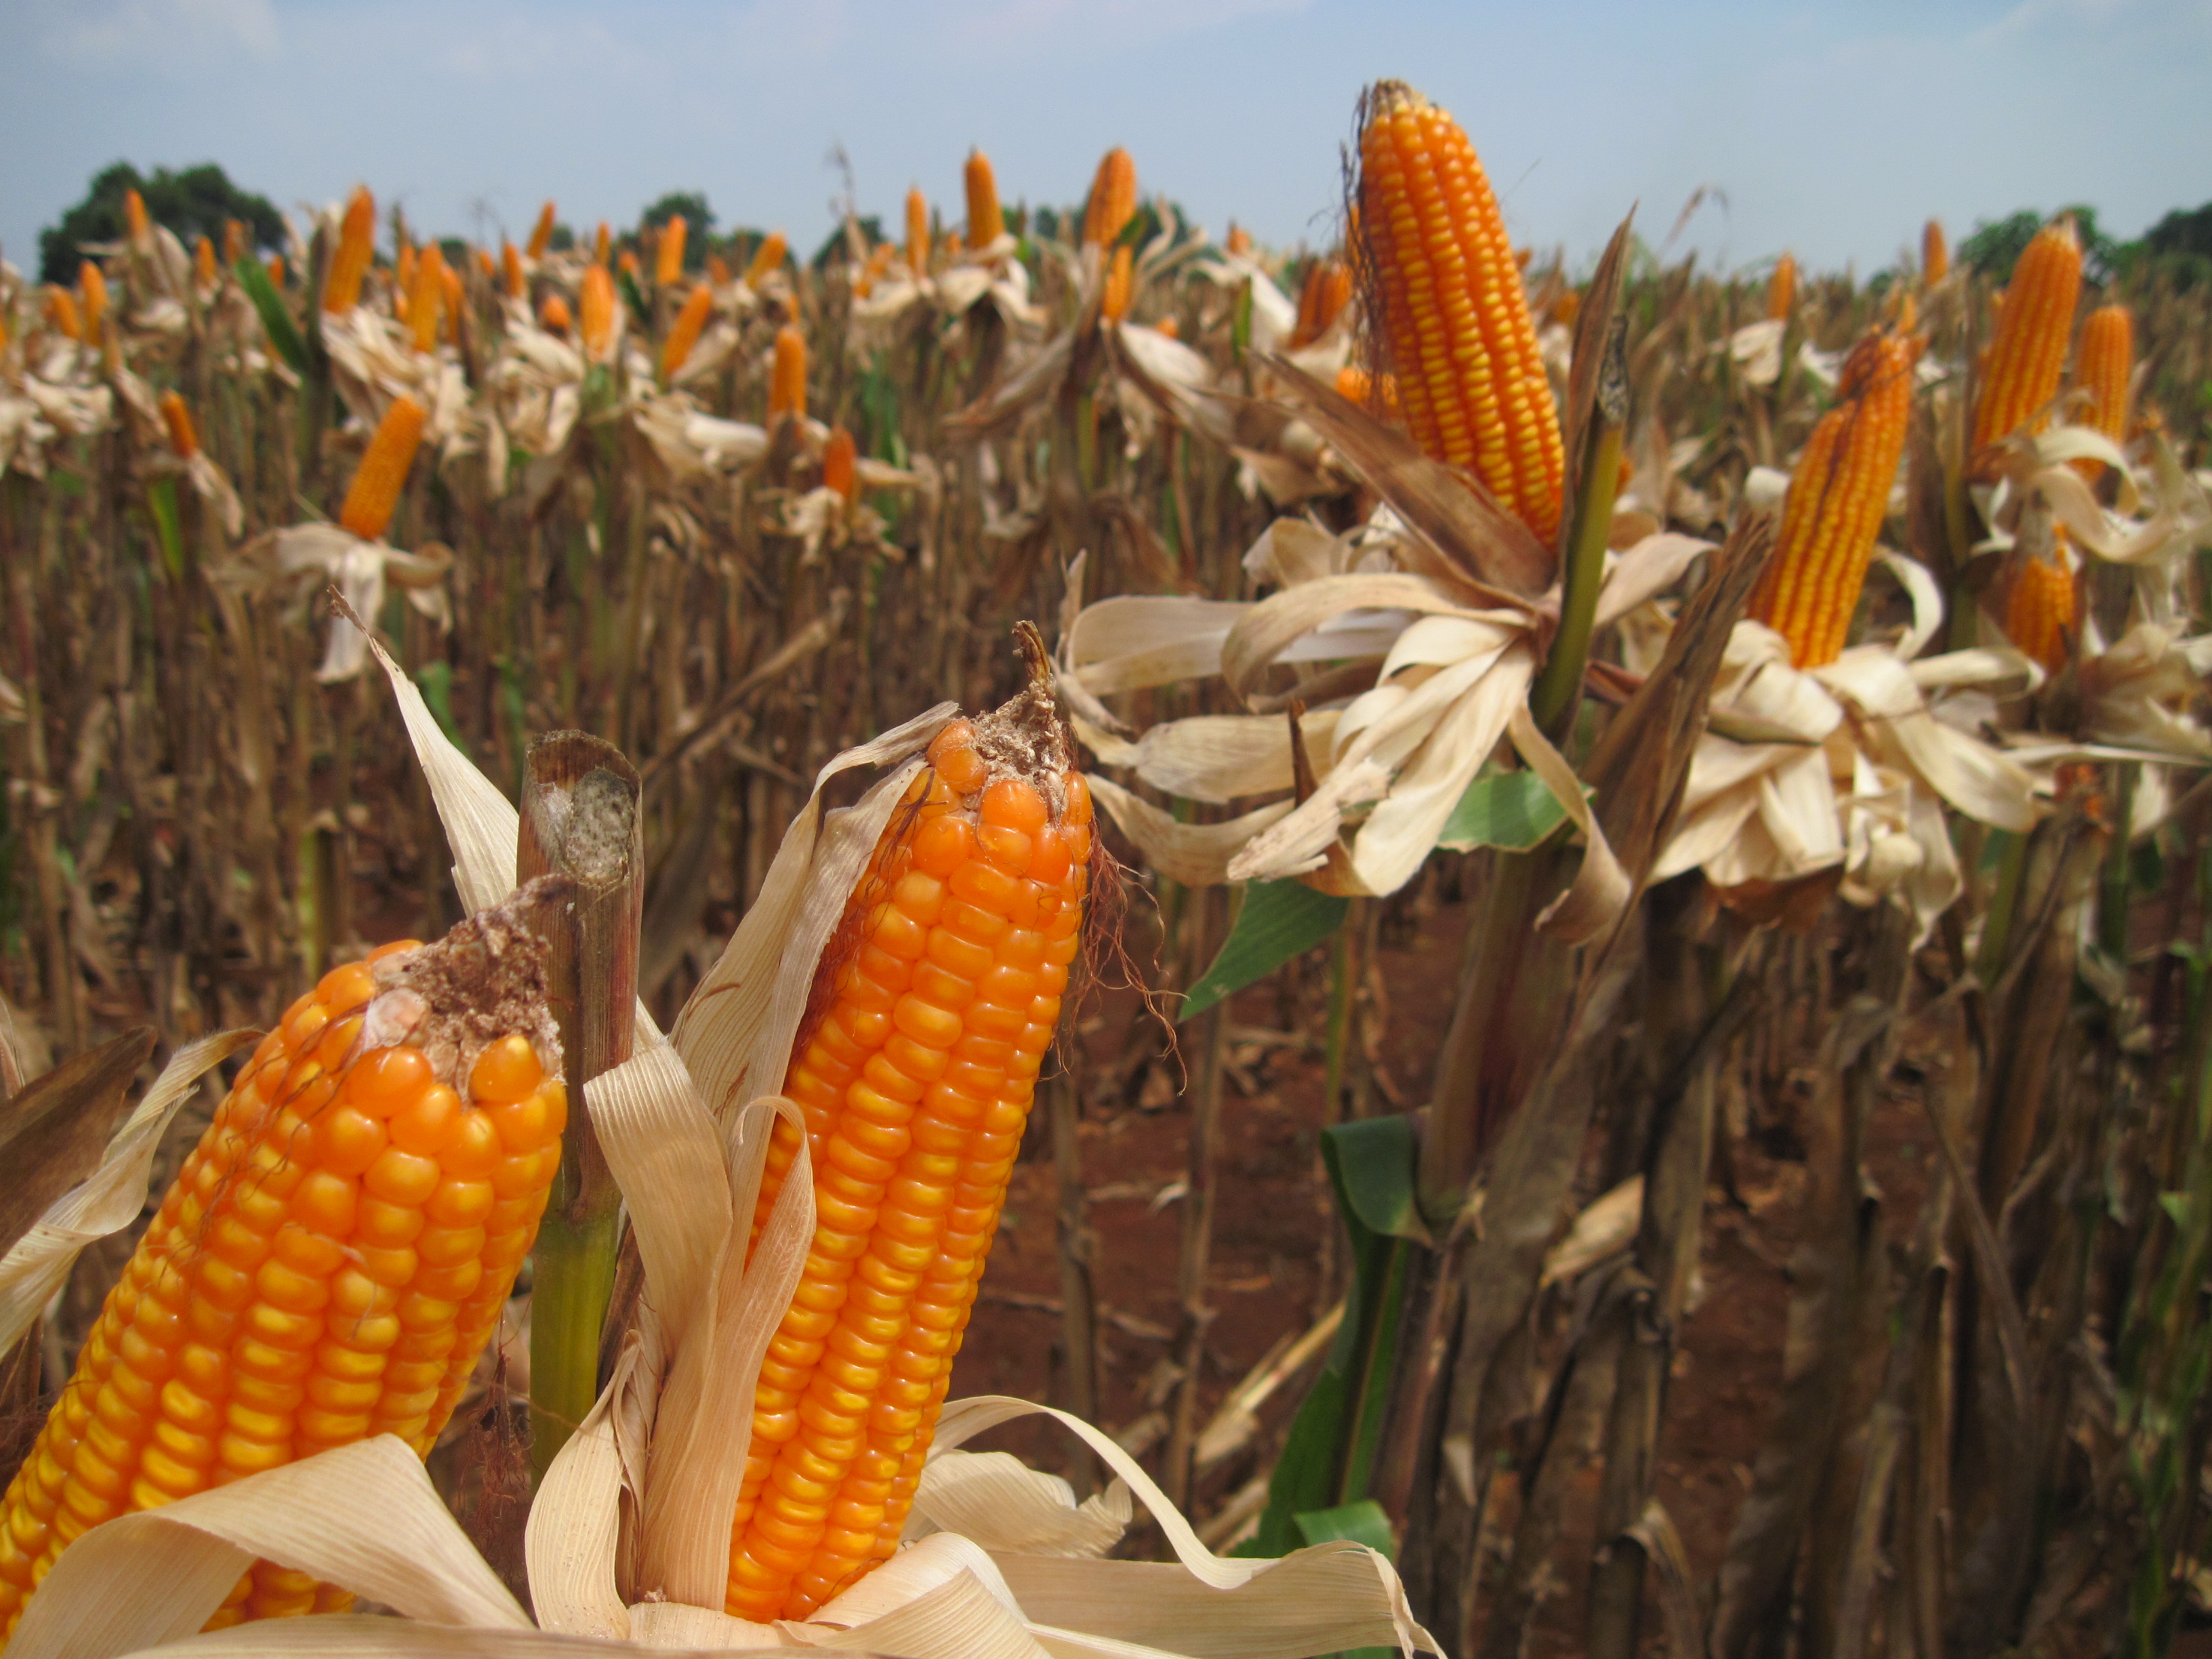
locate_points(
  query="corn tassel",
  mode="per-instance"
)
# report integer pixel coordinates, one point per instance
(178, 420)
(684, 333)
(1326, 291)
(596, 304)
(61, 313)
(511, 273)
(787, 384)
(204, 263)
(383, 470)
(985, 223)
(668, 266)
(425, 298)
(553, 316)
(767, 257)
(356, 244)
(2039, 611)
(1839, 494)
(1782, 289)
(331, 1261)
(841, 464)
(917, 231)
(2033, 333)
(541, 233)
(1113, 304)
(1935, 253)
(915, 1080)
(1113, 201)
(1453, 310)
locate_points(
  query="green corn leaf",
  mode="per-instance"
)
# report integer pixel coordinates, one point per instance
(1278, 920)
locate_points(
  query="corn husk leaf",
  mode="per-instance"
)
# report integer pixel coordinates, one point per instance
(54, 1130)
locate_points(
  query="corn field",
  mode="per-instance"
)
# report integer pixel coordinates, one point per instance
(1651, 864)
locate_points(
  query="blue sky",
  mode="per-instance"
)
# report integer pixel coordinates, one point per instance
(1830, 129)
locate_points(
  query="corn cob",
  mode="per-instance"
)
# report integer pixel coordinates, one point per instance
(2033, 332)
(601, 245)
(234, 240)
(456, 296)
(135, 225)
(953, 246)
(1782, 289)
(684, 333)
(541, 233)
(767, 257)
(356, 242)
(383, 470)
(1376, 393)
(718, 270)
(1239, 240)
(628, 266)
(178, 420)
(787, 384)
(425, 298)
(841, 464)
(276, 271)
(91, 283)
(917, 231)
(487, 267)
(403, 281)
(915, 1080)
(1838, 496)
(510, 268)
(1935, 253)
(668, 265)
(596, 303)
(985, 223)
(1113, 201)
(1113, 305)
(2105, 365)
(2040, 608)
(553, 316)
(1453, 310)
(1567, 308)
(1327, 289)
(330, 1259)
(61, 313)
(204, 263)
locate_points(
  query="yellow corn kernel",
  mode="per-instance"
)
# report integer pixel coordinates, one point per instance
(2039, 611)
(787, 385)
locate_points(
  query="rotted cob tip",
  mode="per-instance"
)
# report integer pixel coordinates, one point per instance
(1113, 201)
(668, 265)
(2034, 329)
(985, 223)
(382, 474)
(1453, 313)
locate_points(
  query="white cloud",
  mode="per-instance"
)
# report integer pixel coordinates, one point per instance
(162, 32)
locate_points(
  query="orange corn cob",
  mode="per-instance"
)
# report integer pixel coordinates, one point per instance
(1454, 313)
(1935, 253)
(541, 233)
(455, 297)
(1239, 240)
(332, 1259)
(841, 464)
(350, 262)
(684, 333)
(511, 274)
(383, 470)
(1113, 201)
(627, 265)
(879, 261)
(487, 267)
(135, 225)
(767, 257)
(596, 302)
(1326, 290)
(234, 240)
(917, 231)
(2105, 365)
(1120, 278)
(985, 223)
(787, 384)
(178, 420)
(61, 313)
(1169, 327)
(1838, 496)
(1567, 308)
(2033, 333)
(2039, 611)
(1782, 289)
(553, 315)
(915, 1079)
(1378, 395)
(403, 280)
(203, 262)
(92, 282)
(426, 298)
(277, 269)
(601, 244)
(668, 266)
(718, 270)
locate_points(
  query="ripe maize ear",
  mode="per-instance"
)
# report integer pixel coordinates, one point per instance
(234, 240)
(718, 270)
(1113, 201)
(383, 470)
(767, 257)
(1567, 308)
(841, 464)
(596, 306)
(917, 231)
(511, 274)
(1169, 327)
(425, 298)
(1782, 289)
(1838, 496)
(1326, 291)
(135, 225)
(1454, 314)
(668, 263)
(276, 271)
(2039, 611)
(1121, 280)
(92, 285)
(178, 420)
(403, 281)
(915, 1079)
(787, 384)
(2033, 333)
(1239, 240)
(553, 316)
(204, 263)
(62, 314)
(1935, 253)
(541, 233)
(2104, 365)
(601, 244)
(487, 267)
(684, 332)
(450, 280)
(985, 223)
(332, 1259)
(350, 262)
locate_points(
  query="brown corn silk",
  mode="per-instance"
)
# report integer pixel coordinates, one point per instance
(930, 1016)
(331, 1261)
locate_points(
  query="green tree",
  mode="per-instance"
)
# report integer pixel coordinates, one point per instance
(1996, 245)
(193, 203)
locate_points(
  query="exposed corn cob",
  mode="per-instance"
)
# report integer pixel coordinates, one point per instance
(553, 316)
(62, 314)
(718, 270)
(1782, 289)
(915, 1080)
(511, 274)
(204, 263)
(601, 244)
(767, 257)
(1170, 327)
(541, 233)
(954, 245)
(668, 265)
(487, 267)
(383, 470)
(596, 303)
(684, 333)
(1327, 289)
(1838, 496)
(1377, 394)
(456, 297)
(332, 1259)
(234, 240)
(2104, 365)
(426, 298)
(135, 225)
(1113, 201)
(2040, 608)
(879, 262)
(178, 420)
(403, 281)
(92, 286)
(841, 464)
(985, 223)
(1113, 305)
(276, 271)
(1239, 240)
(1935, 253)
(1453, 310)
(787, 384)
(350, 262)
(2033, 333)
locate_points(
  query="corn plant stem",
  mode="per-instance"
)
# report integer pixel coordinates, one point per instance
(580, 819)
(2114, 882)
(1342, 952)
(1209, 1044)
(1558, 687)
